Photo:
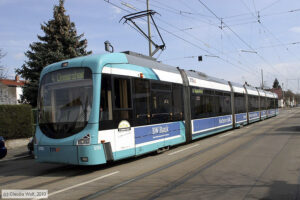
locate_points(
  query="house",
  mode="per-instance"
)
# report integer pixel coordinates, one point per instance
(11, 90)
(289, 98)
(279, 92)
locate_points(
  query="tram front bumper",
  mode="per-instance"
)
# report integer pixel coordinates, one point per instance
(70, 154)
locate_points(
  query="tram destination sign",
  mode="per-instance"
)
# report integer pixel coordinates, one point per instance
(68, 75)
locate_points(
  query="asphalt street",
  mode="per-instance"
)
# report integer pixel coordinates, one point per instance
(258, 161)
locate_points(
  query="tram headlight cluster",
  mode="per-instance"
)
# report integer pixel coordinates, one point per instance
(86, 140)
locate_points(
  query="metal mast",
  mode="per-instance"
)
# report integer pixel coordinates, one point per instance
(149, 30)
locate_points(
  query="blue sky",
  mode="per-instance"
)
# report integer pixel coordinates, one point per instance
(188, 28)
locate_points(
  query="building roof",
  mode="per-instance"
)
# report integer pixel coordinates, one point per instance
(9, 82)
(278, 91)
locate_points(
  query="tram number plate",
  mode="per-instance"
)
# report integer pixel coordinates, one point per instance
(54, 149)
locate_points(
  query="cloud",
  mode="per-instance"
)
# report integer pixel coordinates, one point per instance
(19, 56)
(117, 10)
(285, 72)
(295, 29)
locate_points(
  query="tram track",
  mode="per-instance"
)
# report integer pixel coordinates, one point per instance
(210, 163)
(87, 170)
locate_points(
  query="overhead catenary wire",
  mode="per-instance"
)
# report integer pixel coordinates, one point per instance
(187, 41)
(204, 43)
(210, 45)
(239, 37)
(272, 35)
(197, 39)
(179, 12)
(270, 5)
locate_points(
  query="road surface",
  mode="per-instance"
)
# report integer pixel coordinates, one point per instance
(258, 161)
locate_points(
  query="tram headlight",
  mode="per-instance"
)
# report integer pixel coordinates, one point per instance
(86, 140)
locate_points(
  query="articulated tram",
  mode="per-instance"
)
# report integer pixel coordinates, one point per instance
(101, 108)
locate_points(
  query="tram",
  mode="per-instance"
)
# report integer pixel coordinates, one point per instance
(102, 108)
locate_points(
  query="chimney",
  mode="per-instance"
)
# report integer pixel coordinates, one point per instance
(17, 78)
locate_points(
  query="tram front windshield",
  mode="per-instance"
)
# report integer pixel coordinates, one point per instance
(65, 102)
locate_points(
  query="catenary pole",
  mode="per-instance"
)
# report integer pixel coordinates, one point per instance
(149, 30)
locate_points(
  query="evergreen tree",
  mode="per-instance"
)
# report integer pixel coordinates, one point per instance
(276, 84)
(2, 72)
(60, 42)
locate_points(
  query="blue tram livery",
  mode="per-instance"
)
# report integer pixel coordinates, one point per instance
(102, 108)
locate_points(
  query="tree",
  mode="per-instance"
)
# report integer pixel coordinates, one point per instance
(60, 42)
(276, 84)
(3, 74)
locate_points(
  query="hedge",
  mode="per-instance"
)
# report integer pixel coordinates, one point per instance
(16, 121)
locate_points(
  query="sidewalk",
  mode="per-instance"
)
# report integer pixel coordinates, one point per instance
(21, 151)
(16, 148)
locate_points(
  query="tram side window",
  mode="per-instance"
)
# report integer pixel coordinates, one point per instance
(239, 103)
(222, 102)
(209, 105)
(161, 102)
(226, 104)
(115, 102)
(270, 103)
(203, 103)
(177, 97)
(257, 103)
(251, 103)
(262, 103)
(196, 106)
(106, 111)
(255, 100)
(266, 103)
(208, 99)
(198, 103)
(218, 103)
(122, 100)
(142, 101)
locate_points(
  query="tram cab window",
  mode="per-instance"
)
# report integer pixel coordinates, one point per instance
(161, 102)
(106, 111)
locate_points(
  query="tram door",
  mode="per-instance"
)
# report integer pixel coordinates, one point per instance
(122, 114)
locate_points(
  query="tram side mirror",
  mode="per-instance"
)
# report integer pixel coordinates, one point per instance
(108, 47)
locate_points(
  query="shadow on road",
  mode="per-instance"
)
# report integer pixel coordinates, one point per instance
(279, 190)
(285, 130)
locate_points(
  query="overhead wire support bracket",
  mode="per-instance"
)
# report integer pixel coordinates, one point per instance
(137, 15)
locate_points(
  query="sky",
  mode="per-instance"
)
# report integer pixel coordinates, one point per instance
(239, 40)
